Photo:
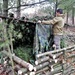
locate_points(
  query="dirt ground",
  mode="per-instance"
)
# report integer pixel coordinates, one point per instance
(69, 34)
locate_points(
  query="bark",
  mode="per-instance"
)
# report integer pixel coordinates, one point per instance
(66, 68)
(71, 50)
(67, 17)
(18, 8)
(41, 66)
(42, 70)
(5, 6)
(41, 60)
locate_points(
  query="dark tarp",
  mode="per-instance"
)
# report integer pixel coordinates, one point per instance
(43, 39)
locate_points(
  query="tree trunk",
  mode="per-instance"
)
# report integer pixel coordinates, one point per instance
(67, 17)
(73, 16)
(56, 6)
(0, 8)
(5, 6)
(18, 8)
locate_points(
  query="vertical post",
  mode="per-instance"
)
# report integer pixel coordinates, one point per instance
(5, 6)
(18, 8)
(67, 16)
(56, 6)
(72, 15)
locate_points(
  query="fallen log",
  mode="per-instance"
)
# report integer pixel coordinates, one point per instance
(20, 61)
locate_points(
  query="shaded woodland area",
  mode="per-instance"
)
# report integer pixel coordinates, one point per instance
(17, 31)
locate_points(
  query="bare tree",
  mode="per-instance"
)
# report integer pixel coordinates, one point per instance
(5, 6)
(18, 8)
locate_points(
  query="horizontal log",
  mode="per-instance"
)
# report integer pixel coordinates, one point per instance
(22, 70)
(55, 72)
(41, 60)
(68, 71)
(41, 66)
(46, 59)
(51, 56)
(54, 56)
(60, 66)
(70, 56)
(55, 51)
(42, 70)
(59, 69)
(71, 50)
(20, 61)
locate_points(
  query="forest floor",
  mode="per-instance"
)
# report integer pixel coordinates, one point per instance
(69, 35)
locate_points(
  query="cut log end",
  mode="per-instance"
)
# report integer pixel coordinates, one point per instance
(56, 60)
(36, 62)
(34, 68)
(54, 56)
(19, 72)
(30, 67)
(32, 73)
(52, 68)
